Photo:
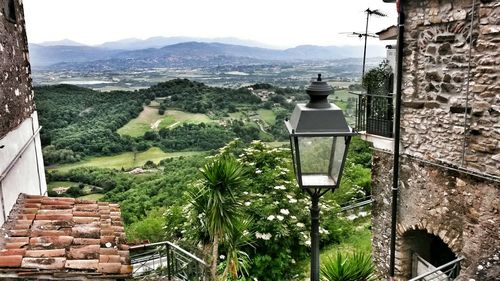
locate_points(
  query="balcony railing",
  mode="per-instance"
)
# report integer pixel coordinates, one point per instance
(166, 259)
(445, 272)
(375, 114)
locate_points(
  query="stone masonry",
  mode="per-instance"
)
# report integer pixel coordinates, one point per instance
(447, 189)
(16, 95)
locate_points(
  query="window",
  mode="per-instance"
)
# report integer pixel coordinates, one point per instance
(9, 10)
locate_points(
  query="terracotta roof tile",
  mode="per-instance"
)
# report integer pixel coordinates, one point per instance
(114, 267)
(82, 264)
(63, 238)
(43, 263)
(11, 261)
(46, 253)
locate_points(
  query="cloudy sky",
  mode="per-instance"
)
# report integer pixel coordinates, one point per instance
(280, 23)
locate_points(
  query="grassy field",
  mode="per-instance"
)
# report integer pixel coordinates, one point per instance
(149, 119)
(124, 160)
(267, 115)
(359, 241)
(143, 123)
(95, 196)
(56, 184)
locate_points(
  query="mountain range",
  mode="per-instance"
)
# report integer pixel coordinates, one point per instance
(176, 52)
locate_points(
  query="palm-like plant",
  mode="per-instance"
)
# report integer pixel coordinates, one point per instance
(216, 198)
(353, 267)
(237, 260)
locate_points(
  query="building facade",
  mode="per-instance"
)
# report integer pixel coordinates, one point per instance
(449, 190)
(21, 162)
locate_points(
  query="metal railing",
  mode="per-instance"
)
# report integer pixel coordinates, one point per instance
(446, 272)
(167, 260)
(375, 114)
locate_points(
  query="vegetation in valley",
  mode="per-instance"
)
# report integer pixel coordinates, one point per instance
(265, 235)
(174, 116)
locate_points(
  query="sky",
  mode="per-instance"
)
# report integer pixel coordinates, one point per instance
(278, 23)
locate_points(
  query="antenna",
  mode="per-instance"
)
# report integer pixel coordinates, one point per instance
(369, 12)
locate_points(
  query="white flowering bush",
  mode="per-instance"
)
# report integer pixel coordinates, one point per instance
(279, 212)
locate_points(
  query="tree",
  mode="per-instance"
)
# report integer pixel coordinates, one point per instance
(216, 199)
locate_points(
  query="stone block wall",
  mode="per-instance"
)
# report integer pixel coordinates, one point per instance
(16, 95)
(445, 190)
(462, 210)
(438, 90)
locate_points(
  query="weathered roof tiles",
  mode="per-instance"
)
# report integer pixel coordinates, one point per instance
(64, 238)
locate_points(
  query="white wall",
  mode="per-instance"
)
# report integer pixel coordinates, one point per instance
(28, 174)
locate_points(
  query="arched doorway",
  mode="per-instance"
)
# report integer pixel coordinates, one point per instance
(422, 252)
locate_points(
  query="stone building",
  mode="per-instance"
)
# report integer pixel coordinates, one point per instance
(21, 163)
(449, 190)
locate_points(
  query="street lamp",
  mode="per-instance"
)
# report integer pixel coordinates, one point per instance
(319, 138)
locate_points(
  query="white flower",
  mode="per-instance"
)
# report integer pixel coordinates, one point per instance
(271, 218)
(263, 236)
(276, 202)
(308, 242)
(248, 203)
(292, 200)
(293, 261)
(258, 171)
(285, 212)
(266, 236)
(280, 187)
(289, 196)
(244, 192)
(293, 217)
(222, 257)
(323, 231)
(299, 224)
(280, 218)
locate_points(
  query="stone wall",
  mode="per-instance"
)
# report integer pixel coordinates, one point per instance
(16, 96)
(445, 190)
(460, 209)
(436, 79)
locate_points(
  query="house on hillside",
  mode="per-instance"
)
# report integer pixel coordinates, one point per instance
(449, 174)
(42, 237)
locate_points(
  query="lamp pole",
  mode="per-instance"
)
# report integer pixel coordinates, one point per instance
(318, 126)
(314, 236)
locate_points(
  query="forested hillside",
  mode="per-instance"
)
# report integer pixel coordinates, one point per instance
(80, 122)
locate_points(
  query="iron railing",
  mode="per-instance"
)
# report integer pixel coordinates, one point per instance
(167, 260)
(375, 114)
(446, 272)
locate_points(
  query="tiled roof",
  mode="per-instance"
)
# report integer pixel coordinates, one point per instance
(64, 238)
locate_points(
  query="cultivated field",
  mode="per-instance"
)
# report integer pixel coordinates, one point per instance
(124, 160)
(149, 119)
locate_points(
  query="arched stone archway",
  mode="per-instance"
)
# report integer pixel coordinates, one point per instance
(434, 244)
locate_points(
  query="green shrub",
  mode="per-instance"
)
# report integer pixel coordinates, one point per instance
(348, 267)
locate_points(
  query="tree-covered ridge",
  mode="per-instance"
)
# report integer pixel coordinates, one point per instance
(197, 97)
(80, 122)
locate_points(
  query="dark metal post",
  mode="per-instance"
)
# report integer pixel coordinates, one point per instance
(169, 262)
(366, 39)
(315, 237)
(397, 121)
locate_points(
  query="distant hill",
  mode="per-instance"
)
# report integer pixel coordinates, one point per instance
(186, 54)
(64, 42)
(44, 56)
(159, 42)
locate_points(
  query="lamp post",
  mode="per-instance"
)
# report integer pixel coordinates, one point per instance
(319, 138)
